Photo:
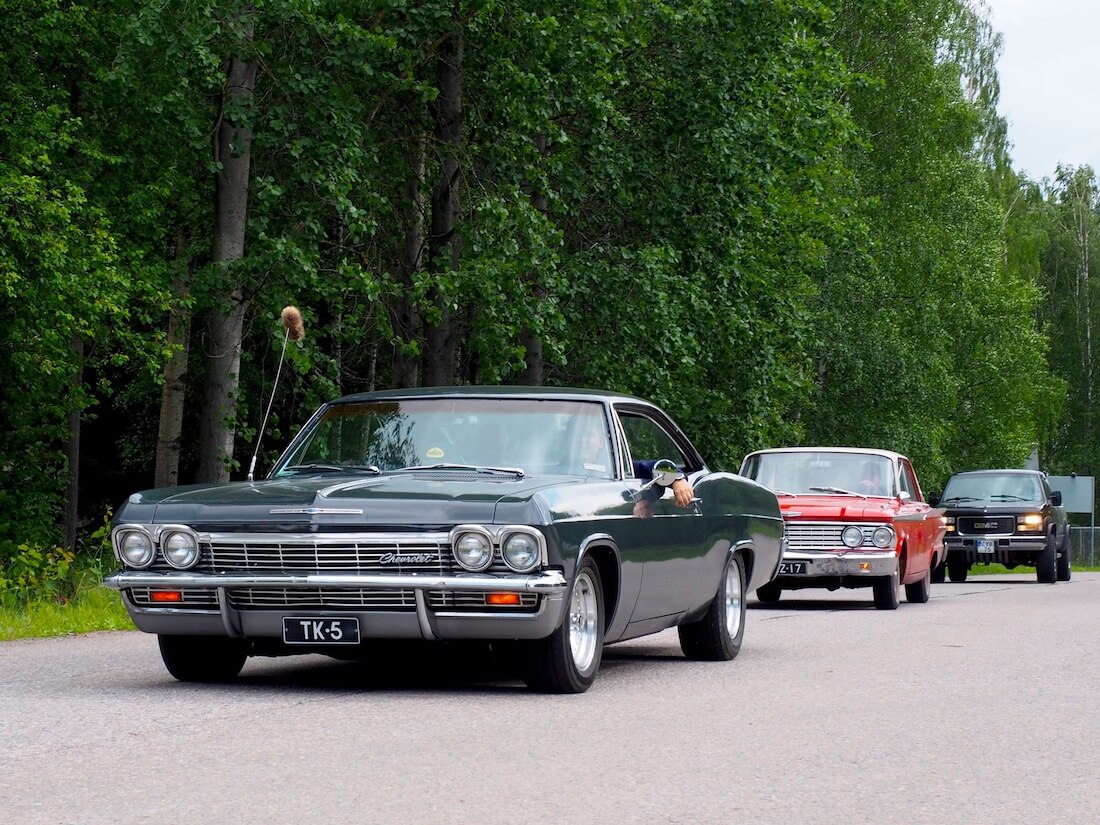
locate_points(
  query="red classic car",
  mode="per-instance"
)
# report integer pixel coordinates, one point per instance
(854, 518)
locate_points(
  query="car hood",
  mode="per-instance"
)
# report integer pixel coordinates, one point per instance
(828, 508)
(334, 502)
(999, 509)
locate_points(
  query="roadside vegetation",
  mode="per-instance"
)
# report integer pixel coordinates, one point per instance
(787, 223)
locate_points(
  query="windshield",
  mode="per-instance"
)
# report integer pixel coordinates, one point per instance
(533, 436)
(822, 473)
(992, 488)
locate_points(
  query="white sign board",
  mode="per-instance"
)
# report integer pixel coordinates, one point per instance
(1077, 492)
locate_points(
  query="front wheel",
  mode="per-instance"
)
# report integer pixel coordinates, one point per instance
(918, 592)
(203, 658)
(887, 591)
(769, 593)
(566, 661)
(1046, 565)
(1065, 569)
(957, 570)
(717, 636)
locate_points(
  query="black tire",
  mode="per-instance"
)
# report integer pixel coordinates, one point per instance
(918, 592)
(717, 636)
(769, 593)
(887, 590)
(1065, 567)
(939, 572)
(568, 659)
(203, 658)
(957, 570)
(1046, 565)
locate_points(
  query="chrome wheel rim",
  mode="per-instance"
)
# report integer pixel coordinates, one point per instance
(733, 599)
(584, 610)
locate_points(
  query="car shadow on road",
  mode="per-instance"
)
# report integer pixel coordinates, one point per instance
(815, 604)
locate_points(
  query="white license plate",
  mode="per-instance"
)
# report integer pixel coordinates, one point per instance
(985, 545)
(310, 630)
(792, 568)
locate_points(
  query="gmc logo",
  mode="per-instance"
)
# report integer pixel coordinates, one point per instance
(986, 525)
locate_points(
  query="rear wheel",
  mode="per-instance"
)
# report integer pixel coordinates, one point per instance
(566, 661)
(769, 593)
(918, 592)
(887, 591)
(957, 570)
(203, 658)
(1046, 565)
(717, 636)
(939, 573)
(1065, 570)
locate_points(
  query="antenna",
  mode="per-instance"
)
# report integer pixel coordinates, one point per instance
(295, 331)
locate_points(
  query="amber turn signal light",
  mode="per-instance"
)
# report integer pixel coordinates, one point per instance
(166, 596)
(864, 566)
(502, 598)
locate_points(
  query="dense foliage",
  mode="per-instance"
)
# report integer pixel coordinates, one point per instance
(788, 222)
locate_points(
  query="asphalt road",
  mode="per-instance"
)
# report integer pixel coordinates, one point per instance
(978, 707)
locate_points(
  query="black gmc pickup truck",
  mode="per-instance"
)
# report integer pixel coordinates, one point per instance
(1008, 517)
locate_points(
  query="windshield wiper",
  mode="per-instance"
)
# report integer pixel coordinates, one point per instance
(511, 471)
(837, 490)
(331, 468)
(959, 499)
(1008, 497)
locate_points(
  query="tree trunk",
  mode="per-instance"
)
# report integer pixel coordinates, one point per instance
(407, 325)
(443, 242)
(72, 448)
(534, 365)
(225, 325)
(173, 393)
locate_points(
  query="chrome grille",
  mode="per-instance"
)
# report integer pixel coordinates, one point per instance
(316, 598)
(824, 536)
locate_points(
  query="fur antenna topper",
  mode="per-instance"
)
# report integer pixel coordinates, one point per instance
(292, 320)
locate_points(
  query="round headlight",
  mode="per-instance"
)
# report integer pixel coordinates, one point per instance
(136, 548)
(852, 536)
(181, 549)
(521, 552)
(473, 551)
(883, 537)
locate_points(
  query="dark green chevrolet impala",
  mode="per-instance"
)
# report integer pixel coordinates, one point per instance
(550, 521)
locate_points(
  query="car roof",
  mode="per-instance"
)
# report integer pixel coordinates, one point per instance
(859, 450)
(474, 391)
(1016, 471)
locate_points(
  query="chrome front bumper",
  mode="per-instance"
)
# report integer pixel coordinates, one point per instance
(855, 565)
(1004, 548)
(425, 622)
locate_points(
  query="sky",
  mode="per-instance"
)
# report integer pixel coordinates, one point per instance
(1050, 82)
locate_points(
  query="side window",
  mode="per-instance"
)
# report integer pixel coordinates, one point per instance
(908, 481)
(647, 440)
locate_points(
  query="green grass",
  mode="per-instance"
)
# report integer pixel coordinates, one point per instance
(1022, 570)
(93, 608)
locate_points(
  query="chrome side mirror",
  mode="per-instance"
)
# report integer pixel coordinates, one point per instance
(664, 473)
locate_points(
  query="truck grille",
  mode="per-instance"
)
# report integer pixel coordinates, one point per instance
(986, 525)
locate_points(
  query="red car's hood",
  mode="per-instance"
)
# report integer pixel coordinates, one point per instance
(830, 508)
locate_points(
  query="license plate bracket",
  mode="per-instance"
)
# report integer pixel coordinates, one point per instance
(792, 568)
(320, 630)
(985, 545)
